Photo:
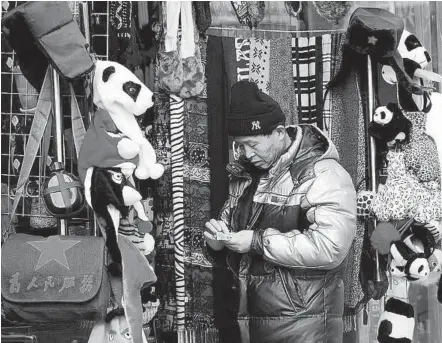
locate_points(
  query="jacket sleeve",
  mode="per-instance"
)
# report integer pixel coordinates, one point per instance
(331, 208)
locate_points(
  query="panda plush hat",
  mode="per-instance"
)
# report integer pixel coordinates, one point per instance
(119, 93)
(389, 125)
(415, 59)
(396, 324)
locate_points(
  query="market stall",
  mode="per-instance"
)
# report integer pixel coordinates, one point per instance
(114, 148)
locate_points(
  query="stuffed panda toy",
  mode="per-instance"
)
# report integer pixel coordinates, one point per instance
(396, 324)
(411, 48)
(114, 138)
(389, 125)
(113, 150)
(411, 255)
(413, 54)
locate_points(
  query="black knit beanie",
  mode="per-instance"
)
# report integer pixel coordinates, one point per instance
(252, 112)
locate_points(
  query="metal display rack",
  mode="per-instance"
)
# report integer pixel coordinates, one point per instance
(18, 100)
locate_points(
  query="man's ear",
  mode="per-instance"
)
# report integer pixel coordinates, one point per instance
(280, 130)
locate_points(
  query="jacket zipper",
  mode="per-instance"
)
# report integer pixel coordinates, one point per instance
(255, 217)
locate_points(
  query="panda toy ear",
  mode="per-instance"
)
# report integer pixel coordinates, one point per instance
(394, 108)
(107, 73)
(401, 253)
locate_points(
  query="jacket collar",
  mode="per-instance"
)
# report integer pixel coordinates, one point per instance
(286, 159)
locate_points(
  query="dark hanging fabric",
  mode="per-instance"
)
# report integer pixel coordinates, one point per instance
(203, 17)
(281, 77)
(346, 126)
(217, 108)
(198, 271)
(120, 17)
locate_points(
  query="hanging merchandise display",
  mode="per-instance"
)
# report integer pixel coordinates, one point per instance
(55, 279)
(203, 17)
(177, 159)
(390, 126)
(107, 173)
(42, 32)
(376, 33)
(293, 8)
(410, 256)
(181, 71)
(403, 196)
(332, 11)
(63, 193)
(421, 153)
(59, 42)
(249, 13)
(120, 97)
(120, 13)
(40, 131)
(151, 167)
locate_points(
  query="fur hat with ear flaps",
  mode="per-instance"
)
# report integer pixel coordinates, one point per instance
(377, 33)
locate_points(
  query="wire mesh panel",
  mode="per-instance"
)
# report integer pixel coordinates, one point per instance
(18, 102)
(99, 27)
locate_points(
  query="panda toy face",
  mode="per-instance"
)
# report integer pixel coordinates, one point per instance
(417, 269)
(411, 48)
(383, 115)
(116, 89)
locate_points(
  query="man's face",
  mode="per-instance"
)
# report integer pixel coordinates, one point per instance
(262, 151)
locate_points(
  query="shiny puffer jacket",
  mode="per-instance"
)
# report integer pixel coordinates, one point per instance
(289, 288)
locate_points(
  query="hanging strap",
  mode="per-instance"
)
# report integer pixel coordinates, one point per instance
(46, 142)
(78, 129)
(40, 133)
(39, 123)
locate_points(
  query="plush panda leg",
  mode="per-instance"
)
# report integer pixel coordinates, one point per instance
(396, 323)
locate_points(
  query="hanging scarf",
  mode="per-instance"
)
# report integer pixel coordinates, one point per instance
(120, 17)
(249, 13)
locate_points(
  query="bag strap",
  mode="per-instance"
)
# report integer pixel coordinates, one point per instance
(46, 142)
(78, 129)
(39, 123)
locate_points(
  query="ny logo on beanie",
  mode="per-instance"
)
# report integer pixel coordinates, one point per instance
(256, 125)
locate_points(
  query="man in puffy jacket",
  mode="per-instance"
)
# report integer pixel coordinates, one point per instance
(291, 218)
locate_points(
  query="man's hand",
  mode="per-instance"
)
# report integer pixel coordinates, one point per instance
(241, 241)
(212, 227)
